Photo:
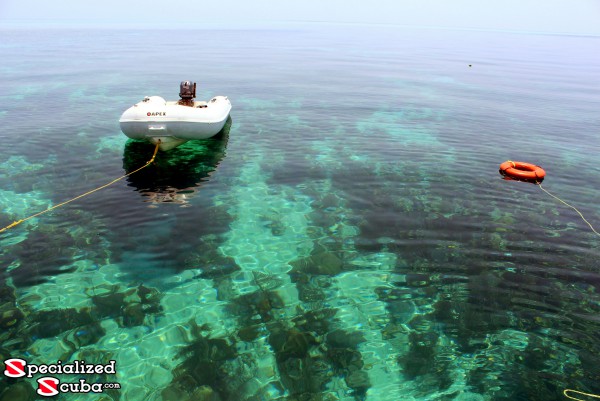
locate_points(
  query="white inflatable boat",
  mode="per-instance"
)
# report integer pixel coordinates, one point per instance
(175, 122)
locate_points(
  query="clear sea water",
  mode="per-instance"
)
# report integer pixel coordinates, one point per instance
(347, 237)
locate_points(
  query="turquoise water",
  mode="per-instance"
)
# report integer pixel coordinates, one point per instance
(347, 237)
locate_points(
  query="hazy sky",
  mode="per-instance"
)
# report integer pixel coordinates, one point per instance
(571, 16)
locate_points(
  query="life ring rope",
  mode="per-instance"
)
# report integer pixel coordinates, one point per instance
(566, 391)
(572, 207)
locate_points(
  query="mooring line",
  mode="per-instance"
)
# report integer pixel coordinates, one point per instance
(572, 207)
(16, 223)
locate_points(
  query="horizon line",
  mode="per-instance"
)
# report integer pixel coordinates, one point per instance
(257, 24)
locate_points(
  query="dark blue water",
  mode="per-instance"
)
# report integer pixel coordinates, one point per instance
(347, 237)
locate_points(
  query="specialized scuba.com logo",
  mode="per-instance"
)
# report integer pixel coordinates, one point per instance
(49, 386)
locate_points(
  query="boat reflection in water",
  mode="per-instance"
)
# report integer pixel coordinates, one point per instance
(176, 175)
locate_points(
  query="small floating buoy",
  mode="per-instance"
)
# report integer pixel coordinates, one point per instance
(522, 171)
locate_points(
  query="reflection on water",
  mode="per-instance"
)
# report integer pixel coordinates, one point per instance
(175, 175)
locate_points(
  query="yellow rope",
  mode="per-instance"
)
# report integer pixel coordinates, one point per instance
(566, 391)
(579, 392)
(16, 223)
(572, 207)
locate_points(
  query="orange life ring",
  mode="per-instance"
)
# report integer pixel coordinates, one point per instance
(522, 171)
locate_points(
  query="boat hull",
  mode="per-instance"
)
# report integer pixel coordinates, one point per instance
(154, 119)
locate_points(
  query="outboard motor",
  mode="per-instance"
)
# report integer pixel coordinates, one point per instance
(187, 93)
